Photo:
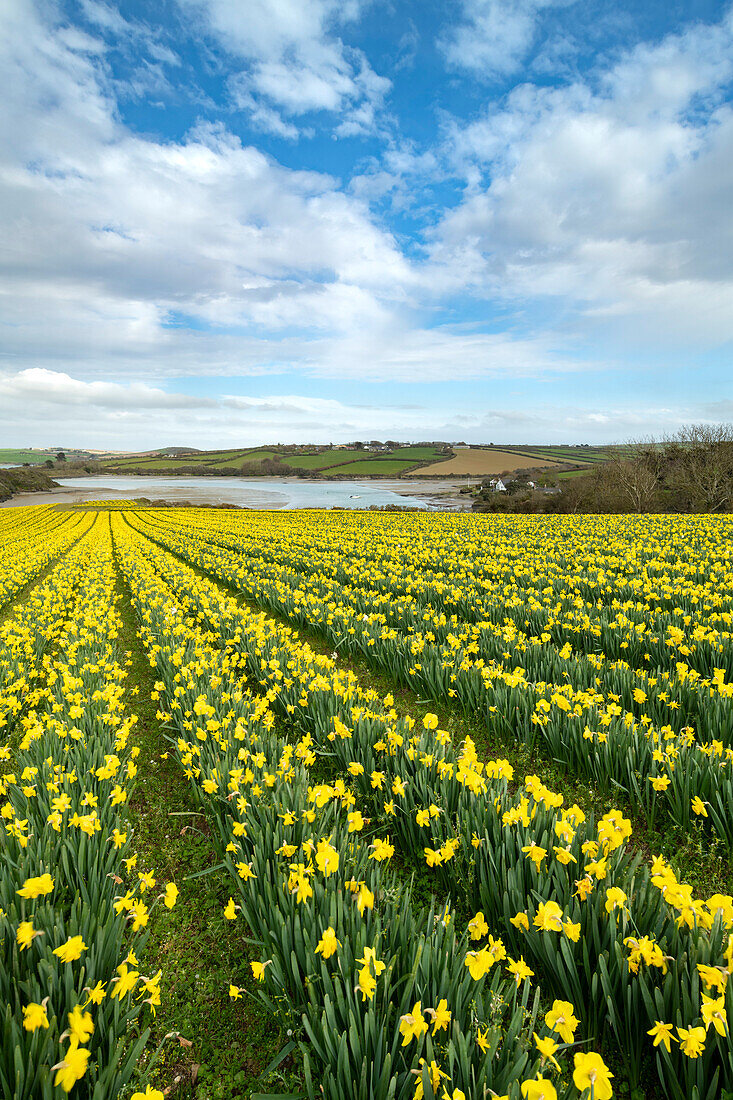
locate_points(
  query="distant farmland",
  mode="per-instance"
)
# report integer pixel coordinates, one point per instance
(486, 463)
(36, 457)
(490, 461)
(414, 460)
(264, 461)
(14, 455)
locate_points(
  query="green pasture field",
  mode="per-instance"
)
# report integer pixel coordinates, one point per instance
(328, 459)
(320, 461)
(203, 459)
(160, 465)
(238, 460)
(419, 454)
(329, 462)
(573, 454)
(565, 474)
(9, 454)
(223, 456)
(129, 463)
(375, 467)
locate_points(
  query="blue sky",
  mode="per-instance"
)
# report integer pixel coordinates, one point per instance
(235, 222)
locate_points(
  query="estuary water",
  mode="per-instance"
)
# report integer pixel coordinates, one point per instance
(255, 492)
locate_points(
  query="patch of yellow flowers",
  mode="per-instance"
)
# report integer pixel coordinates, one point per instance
(563, 892)
(31, 538)
(609, 638)
(70, 982)
(613, 645)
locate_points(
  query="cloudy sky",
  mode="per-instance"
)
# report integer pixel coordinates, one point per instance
(238, 221)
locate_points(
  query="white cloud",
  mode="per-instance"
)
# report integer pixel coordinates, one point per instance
(105, 16)
(113, 232)
(120, 237)
(261, 117)
(43, 405)
(58, 390)
(495, 35)
(401, 172)
(570, 423)
(271, 28)
(142, 259)
(430, 355)
(300, 91)
(295, 60)
(139, 41)
(613, 193)
(307, 407)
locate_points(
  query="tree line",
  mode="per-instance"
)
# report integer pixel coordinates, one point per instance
(691, 471)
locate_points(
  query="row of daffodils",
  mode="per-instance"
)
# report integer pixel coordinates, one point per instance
(73, 907)
(539, 660)
(316, 784)
(30, 538)
(30, 631)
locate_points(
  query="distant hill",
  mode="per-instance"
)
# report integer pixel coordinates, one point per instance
(356, 460)
(364, 459)
(36, 456)
(24, 480)
(179, 451)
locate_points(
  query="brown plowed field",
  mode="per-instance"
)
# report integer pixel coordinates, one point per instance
(487, 463)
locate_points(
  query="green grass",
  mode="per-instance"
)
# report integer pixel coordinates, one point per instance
(385, 467)
(332, 461)
(572, 454)
(326, 460)
(319, 461)
(524, 452)
(9, 454)
(125, 463)
(152, 463)
(419, 454)
(238, 455)
(163, 464)
(250, 456)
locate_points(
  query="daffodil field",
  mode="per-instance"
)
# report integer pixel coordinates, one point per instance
(31, 541)
(559, 954)
(68, 981)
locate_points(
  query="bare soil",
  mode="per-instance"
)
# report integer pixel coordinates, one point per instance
(486, 463)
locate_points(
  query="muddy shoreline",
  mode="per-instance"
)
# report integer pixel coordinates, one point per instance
(265, 493)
